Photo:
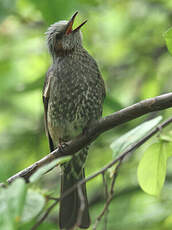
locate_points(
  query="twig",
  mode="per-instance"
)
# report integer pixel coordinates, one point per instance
(105, 185)
(82, 205)
(106, 197)
(52, 198)
(110, 196)
(104, 124)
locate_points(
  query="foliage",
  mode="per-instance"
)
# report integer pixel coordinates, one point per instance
(126, 38)
(134, 135)
(152, 169)
(18, 205)
(41, 171)
(152, 166)
(168, 38)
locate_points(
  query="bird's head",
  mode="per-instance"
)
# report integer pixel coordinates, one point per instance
(61, 37)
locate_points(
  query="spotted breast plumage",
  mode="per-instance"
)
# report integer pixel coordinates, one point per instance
(73, 95)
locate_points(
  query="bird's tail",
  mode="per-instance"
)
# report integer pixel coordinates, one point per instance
(71, 211)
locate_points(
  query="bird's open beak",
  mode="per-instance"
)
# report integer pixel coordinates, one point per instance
(70, 24)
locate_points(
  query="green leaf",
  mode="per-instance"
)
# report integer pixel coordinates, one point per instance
(48, 167)
(124, 142)
(6, 222)
(152, 169)
(33, 205)
(17, 195)
(168, 39)
(168, 149)
(12, 201)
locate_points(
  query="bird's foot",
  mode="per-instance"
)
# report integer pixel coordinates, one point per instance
(62, 145)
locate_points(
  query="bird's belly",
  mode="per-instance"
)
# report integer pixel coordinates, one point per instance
(73, 103)
(61, 127)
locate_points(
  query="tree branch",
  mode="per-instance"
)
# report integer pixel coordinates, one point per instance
(127, 114)
(102, 171)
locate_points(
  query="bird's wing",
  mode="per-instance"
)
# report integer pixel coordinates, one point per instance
(45, 96)
(103, 88)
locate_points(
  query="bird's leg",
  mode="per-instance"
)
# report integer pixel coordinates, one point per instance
(62, 144)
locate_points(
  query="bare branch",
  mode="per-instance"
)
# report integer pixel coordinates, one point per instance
(134, 111)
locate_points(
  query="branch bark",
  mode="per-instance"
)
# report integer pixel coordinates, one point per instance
(127, 114)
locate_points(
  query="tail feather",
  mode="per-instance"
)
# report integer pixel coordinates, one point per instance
(70, 205)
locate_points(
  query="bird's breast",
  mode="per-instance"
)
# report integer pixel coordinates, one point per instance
(75, 97)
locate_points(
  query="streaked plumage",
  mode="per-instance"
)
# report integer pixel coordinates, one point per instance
(73, 95)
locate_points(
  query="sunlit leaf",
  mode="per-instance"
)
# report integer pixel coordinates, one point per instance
(124, 142)
(168, 149)
(12, 201)
(168, 39)
(47, 167)
(16, 195)
(152, 169)
(33, 205)
(166, 138)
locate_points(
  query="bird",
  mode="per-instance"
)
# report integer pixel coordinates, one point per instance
(73, 96)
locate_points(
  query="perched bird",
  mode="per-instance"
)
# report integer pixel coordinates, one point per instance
(73, 95)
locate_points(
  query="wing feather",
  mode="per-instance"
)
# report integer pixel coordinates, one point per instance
(45, 96)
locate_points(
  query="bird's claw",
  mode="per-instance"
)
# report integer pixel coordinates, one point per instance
(62, 146)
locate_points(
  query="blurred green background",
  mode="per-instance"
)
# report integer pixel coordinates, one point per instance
(126, 39)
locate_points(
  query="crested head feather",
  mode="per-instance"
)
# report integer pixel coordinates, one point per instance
(58, 41)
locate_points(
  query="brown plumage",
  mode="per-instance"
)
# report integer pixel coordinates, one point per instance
(73, 95)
